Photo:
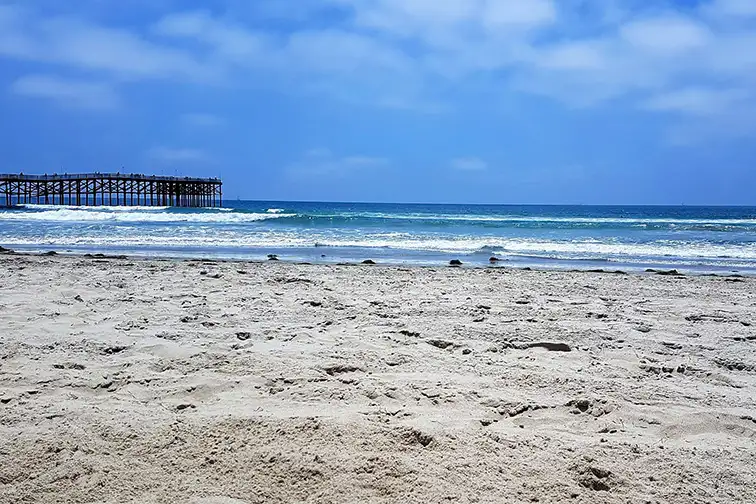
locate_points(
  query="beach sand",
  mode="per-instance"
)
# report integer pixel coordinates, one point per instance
(125, 380)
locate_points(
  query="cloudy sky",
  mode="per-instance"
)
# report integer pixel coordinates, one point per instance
(491, 101)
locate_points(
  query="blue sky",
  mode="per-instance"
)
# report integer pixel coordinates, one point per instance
(490, 101)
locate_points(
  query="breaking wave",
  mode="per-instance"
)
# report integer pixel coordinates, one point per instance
(221, 216)
(703, 236)
(136, 215)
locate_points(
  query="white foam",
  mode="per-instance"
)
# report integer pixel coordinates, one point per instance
(589, 249)
(545, 219)
(135, 214)
(104, 208)
(209, 237)
(146, 213)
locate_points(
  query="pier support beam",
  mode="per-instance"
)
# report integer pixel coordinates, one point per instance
(93, 189)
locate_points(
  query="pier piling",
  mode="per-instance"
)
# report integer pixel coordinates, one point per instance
(110, 189)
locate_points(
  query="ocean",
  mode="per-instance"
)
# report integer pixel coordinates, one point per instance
(690, 239)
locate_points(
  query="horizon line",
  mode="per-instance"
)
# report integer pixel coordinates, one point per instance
(343, 202)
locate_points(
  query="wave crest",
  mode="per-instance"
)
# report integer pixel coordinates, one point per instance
(137, 215)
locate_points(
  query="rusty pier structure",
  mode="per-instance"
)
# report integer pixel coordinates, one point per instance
(110, 189)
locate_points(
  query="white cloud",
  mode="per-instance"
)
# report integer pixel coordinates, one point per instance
(116, 51)
(498, 14)
(229, 41)
(85, 46)
(403, 17)
(641, 58)
(67, 93)
(469, 164)
(700, 101)
(574, 56)
(416, 54)
(666, 35)
(439, 22)
(732, 8)
(171, 155)
(342, 63)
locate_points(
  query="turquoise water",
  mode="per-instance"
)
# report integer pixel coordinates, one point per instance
(696, 239)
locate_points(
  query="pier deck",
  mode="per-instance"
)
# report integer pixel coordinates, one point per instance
(110, 189)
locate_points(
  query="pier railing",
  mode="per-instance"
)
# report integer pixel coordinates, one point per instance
(110, 189)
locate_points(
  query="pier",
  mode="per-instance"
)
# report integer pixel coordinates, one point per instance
(110, 189)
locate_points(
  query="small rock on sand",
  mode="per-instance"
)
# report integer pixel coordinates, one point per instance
(417, 436)
(340, 369)
(551, 347)
(410, 334)
(455, 262)
(443, 345)
(673, 272)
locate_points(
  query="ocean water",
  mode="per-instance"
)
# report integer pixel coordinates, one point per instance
(693, 239)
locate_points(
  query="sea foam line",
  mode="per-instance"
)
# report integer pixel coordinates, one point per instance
(48, 212)
(545, 219)
(115, 214)
(582, 249)
(107, 208)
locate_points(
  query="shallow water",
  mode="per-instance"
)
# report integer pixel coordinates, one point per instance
(695, 239)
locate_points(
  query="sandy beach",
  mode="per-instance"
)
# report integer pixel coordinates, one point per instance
(141, 381)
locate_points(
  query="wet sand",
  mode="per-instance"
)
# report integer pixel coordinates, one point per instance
(127, 380)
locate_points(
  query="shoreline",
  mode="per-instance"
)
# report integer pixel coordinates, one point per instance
(499, 264)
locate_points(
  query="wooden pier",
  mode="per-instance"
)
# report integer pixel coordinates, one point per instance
(110, 189)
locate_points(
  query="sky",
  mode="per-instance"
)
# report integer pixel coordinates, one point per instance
(456, 101)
